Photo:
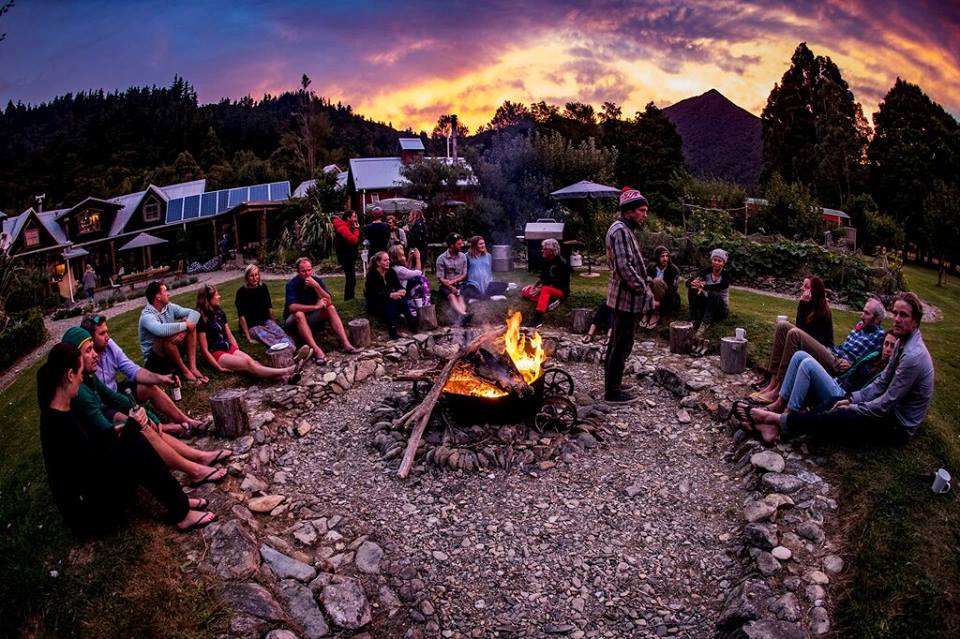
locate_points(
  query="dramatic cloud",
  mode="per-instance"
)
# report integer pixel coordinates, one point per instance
(408, 63)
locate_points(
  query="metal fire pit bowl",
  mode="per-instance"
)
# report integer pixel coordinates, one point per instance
(470, 409)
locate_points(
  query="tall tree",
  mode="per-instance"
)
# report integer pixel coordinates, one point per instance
(813, 129)
(649, 155)
(509, 114)
(942, 209)
(915, 143)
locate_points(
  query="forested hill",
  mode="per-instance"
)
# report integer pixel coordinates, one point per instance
(720, 139)
(105, 144)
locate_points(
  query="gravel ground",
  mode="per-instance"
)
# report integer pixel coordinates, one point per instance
(632, 538)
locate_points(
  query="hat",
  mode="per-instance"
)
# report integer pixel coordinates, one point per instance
(719, 252)
(376, 212)
(76, 336)
(660, 250)
(630, 198)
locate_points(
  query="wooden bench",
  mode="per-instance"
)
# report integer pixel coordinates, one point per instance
(143, 276)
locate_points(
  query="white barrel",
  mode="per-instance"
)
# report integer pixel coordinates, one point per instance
(502, 258)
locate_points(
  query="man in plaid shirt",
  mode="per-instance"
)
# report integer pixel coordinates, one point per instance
(627, 295)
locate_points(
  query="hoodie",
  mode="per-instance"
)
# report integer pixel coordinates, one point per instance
(346, 241)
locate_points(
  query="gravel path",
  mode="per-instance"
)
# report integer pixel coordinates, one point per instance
(629, 539)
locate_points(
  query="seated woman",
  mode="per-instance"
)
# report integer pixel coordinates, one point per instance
(385, 296)
(664, 279)
(411, 277)
(219, 348)
(808, 382)
(814, 317)
(709, 298)
(94, 475)
(480, 284)
(602, 320)
(255, 311)
(553, 284)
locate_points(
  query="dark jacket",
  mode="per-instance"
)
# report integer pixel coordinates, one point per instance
(377, 289)
(671, 275)
(820, 329)
(556, 273)
(378, 235)
(417, 237)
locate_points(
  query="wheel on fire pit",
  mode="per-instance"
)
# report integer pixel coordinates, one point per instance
(557, 413)
(557, 381)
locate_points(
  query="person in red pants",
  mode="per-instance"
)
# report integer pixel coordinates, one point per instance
(554, 283)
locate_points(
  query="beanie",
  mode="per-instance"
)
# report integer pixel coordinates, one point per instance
(719, 252)
(660, 250)
(630, 198)
(76, 336)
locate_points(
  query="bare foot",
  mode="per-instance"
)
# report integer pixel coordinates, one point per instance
(776, 406)
(195, 519)
(208, 475)
(768, 432)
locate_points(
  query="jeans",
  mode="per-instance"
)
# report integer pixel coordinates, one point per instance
(350, 279)
(843, 423)
(805, 374)
(618, 350)
(799, 340)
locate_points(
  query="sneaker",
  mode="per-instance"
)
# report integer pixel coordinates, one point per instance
(553, 305)
(620, 397)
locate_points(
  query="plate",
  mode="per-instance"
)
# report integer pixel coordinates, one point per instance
(282, 346)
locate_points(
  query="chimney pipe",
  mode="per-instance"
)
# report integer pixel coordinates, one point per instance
(453, 135)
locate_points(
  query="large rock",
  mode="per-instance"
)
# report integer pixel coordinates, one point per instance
(265, 504)
(368, 558)
(303, 609)
(758, 510)
(767, 564)
(781, 483)
(762, 536)
(233, 551)
(810, 530)
(744, 603)
(346, 603)
(768, 460)
(253, 599)
(770, 629)
(285, 567)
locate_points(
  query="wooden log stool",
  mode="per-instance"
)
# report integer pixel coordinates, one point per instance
(681, 337)
(580, 319)
(230, 417)
(733, 355)
(280, 358)
(359, 332)
(428, 317)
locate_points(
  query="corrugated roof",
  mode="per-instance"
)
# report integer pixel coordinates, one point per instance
(14, 225)
(184, 189)
(371, 174)
(411, 144)
(836, 212)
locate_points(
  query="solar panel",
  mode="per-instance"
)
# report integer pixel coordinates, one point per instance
(208, 204)
(223, 197)
(238, 196)
(260, 192)
(191, 207)
(174, 211)
(279, 191)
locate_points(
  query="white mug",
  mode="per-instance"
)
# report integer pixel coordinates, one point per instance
(782, 318)
(740, 333)
(941, 482)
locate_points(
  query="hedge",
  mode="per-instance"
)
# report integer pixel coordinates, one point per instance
(21, 336)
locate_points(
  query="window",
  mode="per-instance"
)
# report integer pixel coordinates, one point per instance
(88, 222)
(151, 211)
(31, 237)
(375, 198)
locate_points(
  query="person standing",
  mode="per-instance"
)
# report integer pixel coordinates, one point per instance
(346, 242)
(89, 281)
(377, 233)
(627, 294)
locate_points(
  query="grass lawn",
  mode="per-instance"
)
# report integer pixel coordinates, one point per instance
(903, 576)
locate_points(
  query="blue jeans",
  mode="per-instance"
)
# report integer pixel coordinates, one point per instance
(805, 374)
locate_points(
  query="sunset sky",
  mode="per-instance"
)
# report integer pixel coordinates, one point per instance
(408, 62)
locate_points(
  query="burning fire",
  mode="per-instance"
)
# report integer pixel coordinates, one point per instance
(527, 355)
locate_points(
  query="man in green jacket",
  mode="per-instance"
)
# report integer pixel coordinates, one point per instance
(94, 402)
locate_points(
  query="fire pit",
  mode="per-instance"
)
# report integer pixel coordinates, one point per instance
(499, 377)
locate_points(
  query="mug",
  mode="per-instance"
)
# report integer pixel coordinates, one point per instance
(941, 482)
(782, 318)
(740, 333)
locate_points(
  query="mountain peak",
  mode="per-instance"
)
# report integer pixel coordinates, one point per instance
(720, 138)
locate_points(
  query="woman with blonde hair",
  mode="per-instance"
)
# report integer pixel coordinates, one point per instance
(480, 284)
(255, 310)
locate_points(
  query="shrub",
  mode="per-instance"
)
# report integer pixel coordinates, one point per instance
(22, 335)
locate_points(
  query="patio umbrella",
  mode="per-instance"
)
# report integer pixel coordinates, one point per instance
(397, 205)
(70, 254)
(585, 189)
(144, 241)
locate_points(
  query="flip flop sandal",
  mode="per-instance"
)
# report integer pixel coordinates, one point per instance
(744, 417)
(587, 339)
(210, 479)
(201, 503)
(205, 519)
(186, 431)
(206, 425)
(222, 455)
(757, 399)
(294, 379)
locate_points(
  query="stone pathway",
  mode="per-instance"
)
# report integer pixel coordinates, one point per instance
(664, 529)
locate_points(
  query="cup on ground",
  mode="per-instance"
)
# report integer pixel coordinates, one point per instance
(740, 333)
(941, 482)
(782, 318)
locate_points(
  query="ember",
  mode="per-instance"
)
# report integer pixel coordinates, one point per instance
(477, 379)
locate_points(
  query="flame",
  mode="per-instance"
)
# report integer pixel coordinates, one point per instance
(527, 355)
